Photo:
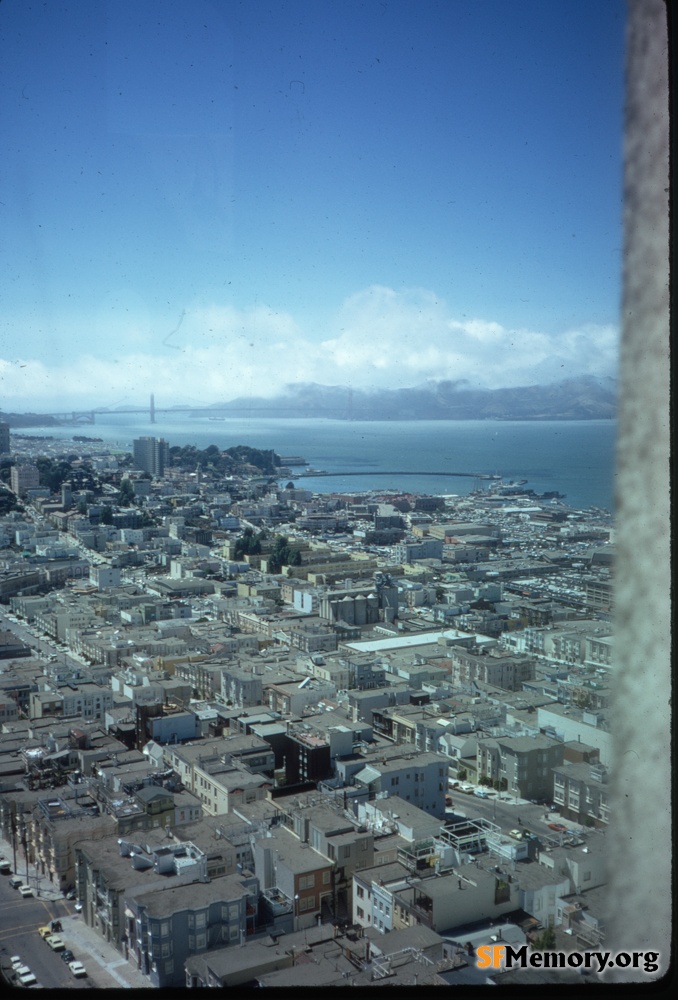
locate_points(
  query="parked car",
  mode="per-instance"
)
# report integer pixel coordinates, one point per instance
(516, 834)
(16, 961)
(77, 968)
(55, 942)
(25, 890)
(558, 827)
(16, 881)
(45, 931)
(28, 979)
(67, 955)
(5, 868)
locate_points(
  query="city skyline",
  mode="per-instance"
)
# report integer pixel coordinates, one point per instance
(222, 199)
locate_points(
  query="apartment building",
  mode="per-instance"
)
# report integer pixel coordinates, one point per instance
(324, 825)
(298, 872)
(420, 778)
(505, 671)
(523, 764)
(167, 925)
(580, 790)
(23, 478)
(373, 889)
(151, 455)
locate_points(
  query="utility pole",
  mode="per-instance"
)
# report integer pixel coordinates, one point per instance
(13, 829)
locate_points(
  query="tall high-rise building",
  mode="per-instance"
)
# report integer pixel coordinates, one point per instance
(4, 438)
(151, 454)
(23, 478)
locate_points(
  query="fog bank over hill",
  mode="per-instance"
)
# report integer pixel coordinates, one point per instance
(584, 398)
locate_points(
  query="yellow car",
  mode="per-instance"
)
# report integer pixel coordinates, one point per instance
(44, 931)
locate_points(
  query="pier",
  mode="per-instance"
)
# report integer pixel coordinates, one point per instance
(470, 475)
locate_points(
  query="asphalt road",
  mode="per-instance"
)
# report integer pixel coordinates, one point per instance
(510, 815)
(44, 646)
(19, 922)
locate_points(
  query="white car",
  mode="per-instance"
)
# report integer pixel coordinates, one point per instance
(28, 979)
(16, 961)
(77, 968)
(55, 942)
(25, 890)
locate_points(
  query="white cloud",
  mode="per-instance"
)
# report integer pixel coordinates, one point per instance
(379, 337)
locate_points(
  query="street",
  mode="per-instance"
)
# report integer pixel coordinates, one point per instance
(19, 922)
(511, 814)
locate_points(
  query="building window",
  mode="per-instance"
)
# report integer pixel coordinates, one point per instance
(326, 878)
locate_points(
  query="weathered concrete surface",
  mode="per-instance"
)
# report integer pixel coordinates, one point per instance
(640, 910)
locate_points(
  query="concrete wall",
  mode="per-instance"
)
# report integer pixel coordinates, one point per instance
(640, 904)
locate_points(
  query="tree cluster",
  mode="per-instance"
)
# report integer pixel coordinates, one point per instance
(282, 554)
(240, 459)
(249, 544)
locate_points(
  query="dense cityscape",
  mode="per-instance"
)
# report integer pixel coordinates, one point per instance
(253, 735)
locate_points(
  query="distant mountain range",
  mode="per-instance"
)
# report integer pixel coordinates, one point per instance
(584, 398)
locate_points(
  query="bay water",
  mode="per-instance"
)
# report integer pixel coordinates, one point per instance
(575, 458)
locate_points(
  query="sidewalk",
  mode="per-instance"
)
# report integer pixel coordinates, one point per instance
(106, 966)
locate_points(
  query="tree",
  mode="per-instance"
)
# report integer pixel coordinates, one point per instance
(546, 940)
(126, 491)
(283, 554)
(248, 544)
(8, 502)
(53, 473)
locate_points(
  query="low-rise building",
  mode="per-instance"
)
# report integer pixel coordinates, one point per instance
(301, 876)
(522, 764)
(580, 791)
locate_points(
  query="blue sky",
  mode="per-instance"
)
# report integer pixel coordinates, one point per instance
(212, 198)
